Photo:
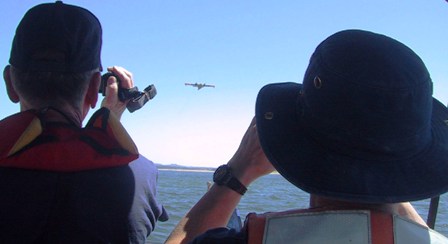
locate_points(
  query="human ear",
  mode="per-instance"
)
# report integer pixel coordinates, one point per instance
(12, 94)
(92, 91)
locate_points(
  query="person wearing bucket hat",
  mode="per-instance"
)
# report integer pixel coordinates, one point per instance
(61, 182)
(362, 135)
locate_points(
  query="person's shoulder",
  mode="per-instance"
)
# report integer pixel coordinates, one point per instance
(144, 165)
(142, 160)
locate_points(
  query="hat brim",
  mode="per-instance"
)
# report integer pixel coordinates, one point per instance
(321, 171)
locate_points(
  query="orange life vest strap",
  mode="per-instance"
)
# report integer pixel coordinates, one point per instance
(382, 227)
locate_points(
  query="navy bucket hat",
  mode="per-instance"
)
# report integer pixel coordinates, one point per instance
(362, 127)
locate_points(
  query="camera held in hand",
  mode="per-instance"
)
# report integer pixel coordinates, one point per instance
(137, 99)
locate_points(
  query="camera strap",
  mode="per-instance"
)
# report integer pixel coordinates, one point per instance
(139, 99)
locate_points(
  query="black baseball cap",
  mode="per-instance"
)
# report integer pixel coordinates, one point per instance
(57, 37)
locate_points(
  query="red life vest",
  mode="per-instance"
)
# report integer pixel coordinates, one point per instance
(28, 142)
(337, 226)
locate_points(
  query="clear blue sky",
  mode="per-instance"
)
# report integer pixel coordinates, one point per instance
(237, 45)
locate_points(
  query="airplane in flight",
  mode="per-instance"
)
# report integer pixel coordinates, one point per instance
(199, 85)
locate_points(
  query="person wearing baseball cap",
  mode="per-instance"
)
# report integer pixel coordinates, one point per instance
(361, 134)
(61, 182)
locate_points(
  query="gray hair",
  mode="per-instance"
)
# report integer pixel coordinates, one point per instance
(51, 88)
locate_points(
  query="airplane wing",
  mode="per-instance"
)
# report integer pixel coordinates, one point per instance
(199, 85)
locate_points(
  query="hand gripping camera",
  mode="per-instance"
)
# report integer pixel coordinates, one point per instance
(137, 99)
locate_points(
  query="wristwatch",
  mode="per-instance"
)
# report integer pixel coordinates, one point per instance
(223, 176)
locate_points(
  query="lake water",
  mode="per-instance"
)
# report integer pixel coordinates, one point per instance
(180, 190)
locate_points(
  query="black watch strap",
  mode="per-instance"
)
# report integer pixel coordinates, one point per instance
(236, 185)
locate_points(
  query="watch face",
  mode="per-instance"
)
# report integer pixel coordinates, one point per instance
(222, 175)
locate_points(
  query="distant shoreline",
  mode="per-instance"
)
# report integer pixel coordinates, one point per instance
(185, 170)
(178, 168)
